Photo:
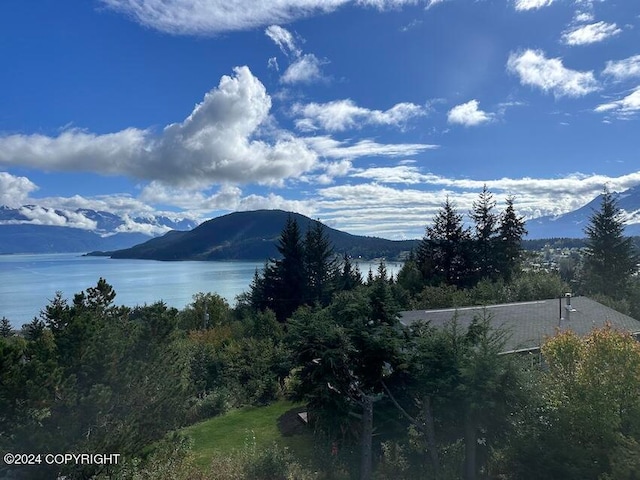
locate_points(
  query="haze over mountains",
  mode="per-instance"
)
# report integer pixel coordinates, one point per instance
(37, 229)
(572, 224)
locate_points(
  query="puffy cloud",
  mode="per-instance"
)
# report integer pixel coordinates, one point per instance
(550, 75)
(623, 69)
(468, 114)
(219, 142)
(14, 191)
(39, 215)
(209, 17)
(340, 115)
(623, 108)
(305, 69)
(523, 5)
(591, 33)
(116, 203)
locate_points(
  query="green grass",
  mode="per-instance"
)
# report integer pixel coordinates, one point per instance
(236, 430)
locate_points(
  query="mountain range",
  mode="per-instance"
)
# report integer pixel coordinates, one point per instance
(247, 235)
(572, 224)
(37, 229)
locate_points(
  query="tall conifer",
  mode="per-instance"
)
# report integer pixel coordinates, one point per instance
(610, 256)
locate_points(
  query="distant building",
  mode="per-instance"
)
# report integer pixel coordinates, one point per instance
(530, 323)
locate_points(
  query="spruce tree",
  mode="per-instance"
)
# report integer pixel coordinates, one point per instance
(285, 280)
(485, 235)
(511, 230)
(5, 328)
(444, 255)
(610, 258)
(319, 264)
(349, 277)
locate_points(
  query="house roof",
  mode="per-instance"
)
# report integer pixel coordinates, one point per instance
(530, 323)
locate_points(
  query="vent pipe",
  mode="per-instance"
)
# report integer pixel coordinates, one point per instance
(568, 308)
(565, 314)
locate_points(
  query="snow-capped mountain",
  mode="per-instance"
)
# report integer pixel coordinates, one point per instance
(38, 229)
(572, 224)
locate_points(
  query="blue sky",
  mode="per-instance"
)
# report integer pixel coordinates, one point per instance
(365, 114)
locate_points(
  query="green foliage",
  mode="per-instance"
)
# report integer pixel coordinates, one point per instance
(444, 255)
(94, 377)
(449, 254)
(611, 257)
(5, 328)
(342, 352)
(409, 276)
(485, 244)
(303, 274)
(319, 265)
(510, 233)
(348, 277)
(452, 383)
(584, 423)
(526, 286)
(253, 370)
(206, 308)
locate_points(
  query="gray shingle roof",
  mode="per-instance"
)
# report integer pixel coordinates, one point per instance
(530, 323)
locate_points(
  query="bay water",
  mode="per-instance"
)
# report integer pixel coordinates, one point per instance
(28, 282)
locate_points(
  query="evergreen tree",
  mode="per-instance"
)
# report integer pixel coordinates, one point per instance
(5, 328)
(611, 258)
(319, 264)
(511, 230)
(349, 276)
(444, 255)
(485, 235)
(409, 276)
(284, 286)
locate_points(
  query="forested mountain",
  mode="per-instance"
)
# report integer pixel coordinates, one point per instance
(253, 236)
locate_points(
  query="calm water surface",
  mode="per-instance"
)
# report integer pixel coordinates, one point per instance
(28, 282)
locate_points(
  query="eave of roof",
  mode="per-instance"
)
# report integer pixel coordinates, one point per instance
(529, 323)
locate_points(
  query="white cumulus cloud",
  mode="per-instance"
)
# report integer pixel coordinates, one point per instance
(219, 142)
(14, 191)
(550, 75)
(591, 33)
(468, 114)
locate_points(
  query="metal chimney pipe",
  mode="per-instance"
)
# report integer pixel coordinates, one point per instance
(568, 308)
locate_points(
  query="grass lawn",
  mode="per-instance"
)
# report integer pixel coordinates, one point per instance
(237, 429)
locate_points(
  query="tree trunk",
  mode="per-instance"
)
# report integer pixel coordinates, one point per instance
(430, 433)
(367, 433)
(470, 445)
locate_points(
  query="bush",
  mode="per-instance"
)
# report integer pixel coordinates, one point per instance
(273, 463)
(209, 405)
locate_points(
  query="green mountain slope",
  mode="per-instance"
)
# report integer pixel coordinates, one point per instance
(253, 236)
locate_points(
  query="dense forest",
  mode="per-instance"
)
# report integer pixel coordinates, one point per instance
(383, 401)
